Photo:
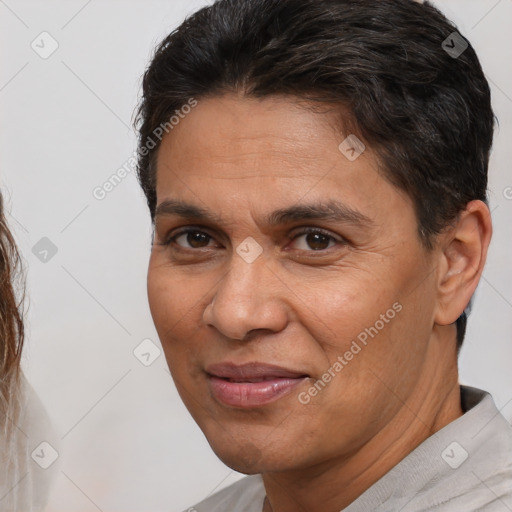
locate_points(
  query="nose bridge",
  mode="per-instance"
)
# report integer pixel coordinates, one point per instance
(243, 276)
(246, 300)
(241, 289)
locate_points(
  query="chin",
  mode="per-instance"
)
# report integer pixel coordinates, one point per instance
(246, 457)
(240, 455)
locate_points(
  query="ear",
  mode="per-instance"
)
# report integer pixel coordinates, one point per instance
(462, 258)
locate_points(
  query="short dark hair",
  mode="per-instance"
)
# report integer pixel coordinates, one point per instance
(425, 111)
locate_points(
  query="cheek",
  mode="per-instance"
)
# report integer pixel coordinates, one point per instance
(169, 304)
(177, 300)
(160, 298)
(377, 322)
(338, 308)
(171, 300)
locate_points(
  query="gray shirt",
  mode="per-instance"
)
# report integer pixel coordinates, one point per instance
(464, 467)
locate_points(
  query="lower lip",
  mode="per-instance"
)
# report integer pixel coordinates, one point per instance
(251, 394)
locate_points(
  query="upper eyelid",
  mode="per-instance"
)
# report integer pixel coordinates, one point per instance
(192, 228)
(303, 230)
(183, 231)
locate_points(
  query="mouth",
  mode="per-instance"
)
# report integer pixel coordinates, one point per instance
(252, 384)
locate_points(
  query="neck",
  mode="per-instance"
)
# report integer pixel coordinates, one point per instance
(433, 404)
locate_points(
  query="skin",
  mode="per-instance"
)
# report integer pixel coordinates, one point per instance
(300, 304)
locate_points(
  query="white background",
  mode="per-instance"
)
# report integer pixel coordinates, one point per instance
(128, 444)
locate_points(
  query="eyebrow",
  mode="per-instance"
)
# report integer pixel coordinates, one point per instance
(333, 211)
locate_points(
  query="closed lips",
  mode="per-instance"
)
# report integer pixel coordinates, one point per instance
(251, 385)
(251, 372)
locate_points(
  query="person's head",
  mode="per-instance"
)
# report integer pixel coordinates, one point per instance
(11, 325)
(361, 129)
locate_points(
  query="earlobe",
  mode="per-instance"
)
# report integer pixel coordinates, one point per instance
(462, 260)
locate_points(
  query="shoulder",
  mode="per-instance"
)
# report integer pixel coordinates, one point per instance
(30, 457)
(489, 459)
(246, 495)
(477, 474)
(467, 465)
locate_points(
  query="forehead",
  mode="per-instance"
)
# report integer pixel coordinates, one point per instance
(275, 150)
(221, 132)
(232, 128)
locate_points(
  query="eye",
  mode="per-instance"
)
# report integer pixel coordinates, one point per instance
(190, 239)
(314, 239)
(309, 239)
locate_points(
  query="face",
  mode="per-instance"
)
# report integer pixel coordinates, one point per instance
(287, 282)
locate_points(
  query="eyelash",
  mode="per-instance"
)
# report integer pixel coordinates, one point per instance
(305, 231)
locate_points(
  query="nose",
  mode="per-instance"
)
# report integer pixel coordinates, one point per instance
(247, 299)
